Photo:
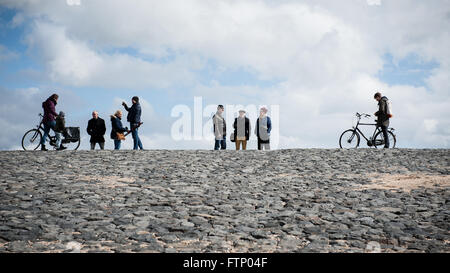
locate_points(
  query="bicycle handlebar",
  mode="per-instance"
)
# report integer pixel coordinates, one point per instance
(362, 114)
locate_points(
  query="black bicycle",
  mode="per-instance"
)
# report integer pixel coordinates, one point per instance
(351, 137)
(32, 139)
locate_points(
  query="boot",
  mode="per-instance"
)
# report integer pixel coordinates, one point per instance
(43, 148)
(61, 147)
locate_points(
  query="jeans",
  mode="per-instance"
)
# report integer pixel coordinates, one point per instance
(117, 144)
(222, 143)
(385, 136)
(136, 140)
(47, 126)
(58, 139)
(101, 144)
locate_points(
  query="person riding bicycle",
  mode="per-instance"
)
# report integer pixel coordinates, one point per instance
(49, 117)
(382, 116)
(60, 126)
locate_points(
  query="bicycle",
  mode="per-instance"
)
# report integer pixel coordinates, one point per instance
(350, 138)
(31, 140)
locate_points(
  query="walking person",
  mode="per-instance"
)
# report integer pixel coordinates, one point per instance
(49, 117)
(117, 127)
(262, 129)
(242, 129)
(134, 118)
(220, 129)
(60, 126)
(383, 115)
(96, 129)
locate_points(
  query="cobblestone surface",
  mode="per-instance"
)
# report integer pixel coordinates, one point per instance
(311, 200)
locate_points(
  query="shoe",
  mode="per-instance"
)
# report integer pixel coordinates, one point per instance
(61, 148)
(43, 148)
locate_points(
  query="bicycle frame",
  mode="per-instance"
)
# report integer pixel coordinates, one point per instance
(377, 129)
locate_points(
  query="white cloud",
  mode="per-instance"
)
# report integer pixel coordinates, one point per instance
(324, 54)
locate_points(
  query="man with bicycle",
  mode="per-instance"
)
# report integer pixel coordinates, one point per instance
(383, 116)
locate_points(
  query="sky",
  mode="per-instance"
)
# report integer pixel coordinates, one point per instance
(314, 64)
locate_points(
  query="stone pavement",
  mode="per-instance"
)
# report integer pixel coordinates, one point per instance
(312, 200)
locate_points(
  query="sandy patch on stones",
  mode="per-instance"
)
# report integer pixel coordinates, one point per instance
(108, 181)
(406, 182)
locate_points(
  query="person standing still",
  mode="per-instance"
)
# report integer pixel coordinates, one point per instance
(134, 118)
(96, 129)
(60, 126)
(262, 129)
(117, 127)
(220, 129)
(382, 116)
(242, 129)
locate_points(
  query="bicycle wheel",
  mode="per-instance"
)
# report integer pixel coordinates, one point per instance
(349, 139)
(379, 140)
(31, 140)
(71, 145)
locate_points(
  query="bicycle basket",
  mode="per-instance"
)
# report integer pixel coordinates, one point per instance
(72, 133)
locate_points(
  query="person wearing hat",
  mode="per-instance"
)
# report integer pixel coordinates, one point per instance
(262, 129)
(134, 118)
(242, 130)
(60, 126)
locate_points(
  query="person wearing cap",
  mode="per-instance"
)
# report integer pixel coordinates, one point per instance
(96, 129)
(60, 126)
(242, 129)
(134, 118)
(220, 129)
(262, 129)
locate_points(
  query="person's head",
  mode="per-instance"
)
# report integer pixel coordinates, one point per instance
(263, 111)
(118, 114)
(95, 115)
(241, 113)
(220, 108)
(62, 114)
(135, 99)
(377, 96)
(54, 97)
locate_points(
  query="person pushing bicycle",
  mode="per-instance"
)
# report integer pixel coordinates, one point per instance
(383, 115)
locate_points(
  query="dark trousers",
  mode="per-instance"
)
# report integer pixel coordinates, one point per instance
(222, 143)
(385, 135)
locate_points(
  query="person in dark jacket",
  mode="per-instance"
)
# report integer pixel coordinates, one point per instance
(382, 116)
(60, 126)
(49, 117)
(134, 118)
(117, 127)
(220, 129)
(242, 129)
(262, 129)
(96, 129)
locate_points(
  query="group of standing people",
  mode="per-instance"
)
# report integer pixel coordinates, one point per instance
(242, 129)
(96, 126)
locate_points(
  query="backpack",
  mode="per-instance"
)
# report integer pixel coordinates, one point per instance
(389, 109)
